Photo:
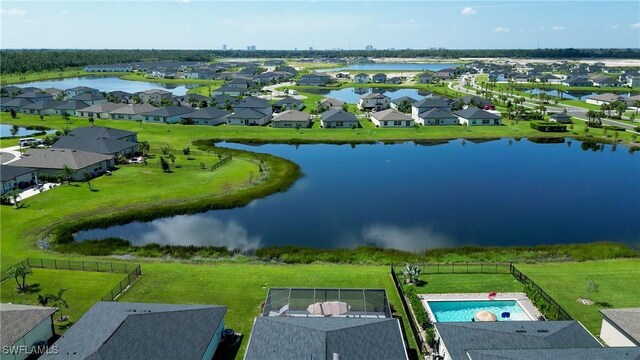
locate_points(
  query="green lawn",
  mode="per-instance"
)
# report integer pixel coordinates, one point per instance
(243, 287)
(84, 288)
(468, 283)
(8, 79)
(618, 282)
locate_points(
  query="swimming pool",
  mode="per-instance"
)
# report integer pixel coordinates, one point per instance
(460, 311)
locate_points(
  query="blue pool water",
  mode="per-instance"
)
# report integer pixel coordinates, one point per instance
(460, 311)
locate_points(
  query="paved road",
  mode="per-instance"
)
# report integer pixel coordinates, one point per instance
(577, 112)
(9, 154)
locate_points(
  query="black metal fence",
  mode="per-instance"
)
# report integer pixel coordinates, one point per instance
(199, 167)
(412, 321)
(563, 314)
(132, 271)
(464, 268)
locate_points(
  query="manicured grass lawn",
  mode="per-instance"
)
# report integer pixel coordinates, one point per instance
(84, 289)
(618, 282)
(468, 283)
(8, 79)
(243, 287)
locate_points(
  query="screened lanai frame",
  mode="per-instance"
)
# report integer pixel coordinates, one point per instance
(364, 303)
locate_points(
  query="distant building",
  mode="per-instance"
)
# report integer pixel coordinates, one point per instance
(109, 68)
(224, 47)
(368, 47)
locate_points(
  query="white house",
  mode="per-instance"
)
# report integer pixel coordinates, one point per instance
(99, 111)
(473, 116)
(229, 90)
(374, 102)
(23, 327)
(606, 98)
(291, 119)
(331, 103)
(131, 112)
(391, 118)
(155, 95)
(338, 119)
(437, 116)
(361, 78)
(427, 104)
(14, 177)
(51, 162)
(620, 327)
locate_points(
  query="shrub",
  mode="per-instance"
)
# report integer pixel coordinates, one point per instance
(546, 308)
(548, 126)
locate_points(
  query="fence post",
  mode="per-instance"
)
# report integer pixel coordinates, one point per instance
(41, 263)
(111, 267)
(28, 263)
(125, 269)
(69, 264)
(55, 264)
(82, 265)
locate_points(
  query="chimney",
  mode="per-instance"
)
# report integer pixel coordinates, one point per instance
(336, 356)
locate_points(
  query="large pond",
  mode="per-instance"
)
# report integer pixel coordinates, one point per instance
(352, 95)
(395, 67)
(106, 84)
(413, 197)
(573, 95)
(5, 131)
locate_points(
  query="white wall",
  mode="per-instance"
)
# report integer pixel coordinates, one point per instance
(290, 124)
(213, 345)
(333, 124)
(42, 332)
(612, 336)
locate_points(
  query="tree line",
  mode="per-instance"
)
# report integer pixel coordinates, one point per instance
(24, 60)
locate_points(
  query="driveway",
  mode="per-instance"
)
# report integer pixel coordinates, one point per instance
(9, 154)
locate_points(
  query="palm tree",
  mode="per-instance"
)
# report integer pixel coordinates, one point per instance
(620, 107)
(590, 116)
(606, 107)
(20, 272)
(87, 178)
(44, 299)
(60, 301)
(412, 273)
(65, 116)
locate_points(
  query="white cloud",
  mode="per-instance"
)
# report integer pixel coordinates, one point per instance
(501, 29)
(635, 26)
(405, 238)
(557, 28)
(13, 12)
(64, 12)
(614, 27)
(468, 11)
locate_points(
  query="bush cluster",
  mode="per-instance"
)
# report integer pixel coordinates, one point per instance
(545, 126)
(546, 308)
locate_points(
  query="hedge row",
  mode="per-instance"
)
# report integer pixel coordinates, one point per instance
(545, 126)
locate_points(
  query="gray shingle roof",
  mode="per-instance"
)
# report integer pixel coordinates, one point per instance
(473, 112)
(96, 145)
(437, 113)
(331, 101)
(103, 107)
(170, 111)
(115, 330)
(624, 353)
(609, 97)
(41, 105)
(58, 158)
(460, 337)
(338, 115)
(19, 102)
(8, 172)
(247, 113)
(72, 105)
(288, 100)
(100, 132)
(291, 115)
(18, 320)
(277, 338)
(399, 100)
(134, 109)
(391, 115)
(253, 102)
(627, 320)
(88, 97)
(207, 113)
(430, 103)
(374, 95)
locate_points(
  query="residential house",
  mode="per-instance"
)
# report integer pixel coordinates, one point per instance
(288, 103)
(224, 101)
(70, 107)
(25, 329)
(379, 78)
(154, 95)
(464, 340)
(343, 75)
(14, 177)
(606, 98)
(192, 100)
(631, 101)
(99, 111)
(577, 81)
(35, 96)
(338, 119)
(315, 80)
(426, 104)
(260, 105)
(55, 92)
(373, 102)
(109, 68)
(361, 78)
(437, 116)
(425, 78)
(124, 330)
(120, 96)
(131, 112)
(605, 81)
(561, 117)
(331, 103)
(94, 132)
(240, 83)
(51, 162)
(167, 115)
(207, 116)
(229, 90)
(564, 354)
(291, 119)
(247, 117)
(41, 107)
(398, 101)
(80, 90)
(471, 100)
(10, 90)
(15, 104)
(473, 116)
(633, 81)
(290, 69)
(391, 118)
(105, 146)
(620, 327)
(394, 80)
(444, 74)
(548, 79)
(91, 99)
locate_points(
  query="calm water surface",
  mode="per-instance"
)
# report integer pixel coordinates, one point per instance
(106, 84)
(414, 197)
(352, 95)
(5, 131)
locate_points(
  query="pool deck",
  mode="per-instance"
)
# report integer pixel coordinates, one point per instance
(521, 298)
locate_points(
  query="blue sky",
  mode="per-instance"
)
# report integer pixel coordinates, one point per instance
(321, 24)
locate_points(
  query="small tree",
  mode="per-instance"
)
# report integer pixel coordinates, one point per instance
(20, 272)
(43, 299)
(186, 151)
(13, 113)
(68, 173)
(164, 164)
(405, 106)
(144, 147)
(87, 178)
(60, 302)
(92, 121)
(65, 116)
(345, 107)
(15, 129)
(591, 286)
(41, 117)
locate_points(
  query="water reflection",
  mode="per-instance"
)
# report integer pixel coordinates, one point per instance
(199, 230)
(414, 238)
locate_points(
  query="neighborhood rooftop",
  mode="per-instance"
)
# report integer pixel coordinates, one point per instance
(18, 320)
(59, 158)
(628, 320)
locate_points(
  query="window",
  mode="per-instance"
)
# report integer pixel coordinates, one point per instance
(485, 122)
(156, 118)
(384, 123)
(473, 122)
(397, 123)
(339, 123)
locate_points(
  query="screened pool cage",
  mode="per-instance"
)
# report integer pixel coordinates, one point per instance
(304, 302)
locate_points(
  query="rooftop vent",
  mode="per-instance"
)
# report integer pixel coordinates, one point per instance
(543, 331)
(521, 331)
